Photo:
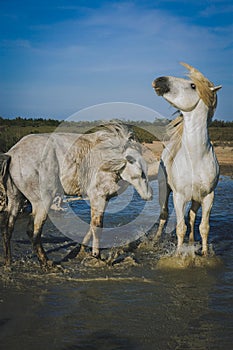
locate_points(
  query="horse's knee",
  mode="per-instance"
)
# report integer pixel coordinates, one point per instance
(164, 214)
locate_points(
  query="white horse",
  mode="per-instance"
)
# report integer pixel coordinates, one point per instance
(188, 166)
(40, 166)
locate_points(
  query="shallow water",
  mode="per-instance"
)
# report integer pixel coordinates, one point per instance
(142, 298)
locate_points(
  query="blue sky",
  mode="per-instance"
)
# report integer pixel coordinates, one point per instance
(58, 57)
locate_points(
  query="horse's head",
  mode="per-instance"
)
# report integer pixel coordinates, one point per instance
(122, 155)
(131, 168)
(185, 94)
(135, 172)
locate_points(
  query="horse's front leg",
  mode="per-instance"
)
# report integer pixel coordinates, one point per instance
(181, 227)
(96, 228)
(192, 216)
(98, 206)
(94, 233)
(204, 226)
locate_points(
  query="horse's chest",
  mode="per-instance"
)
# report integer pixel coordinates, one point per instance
(194, 184)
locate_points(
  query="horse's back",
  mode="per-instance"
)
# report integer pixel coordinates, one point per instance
(30, 157)
(33, 148)
(36, 161)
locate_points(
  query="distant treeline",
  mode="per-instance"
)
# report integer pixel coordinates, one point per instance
(18, 121)
(221, 124)
(12, 130)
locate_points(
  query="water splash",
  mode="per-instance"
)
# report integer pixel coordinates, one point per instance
(189, 256)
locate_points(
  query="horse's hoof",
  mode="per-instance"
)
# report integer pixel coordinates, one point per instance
(7, 262)
(156, 241)
(7, 268)
(191, 241)
(51, 266)
(178, 253)
(96, 254)
(204, 253)
(83, 251)
(92, 261)
(58, 268)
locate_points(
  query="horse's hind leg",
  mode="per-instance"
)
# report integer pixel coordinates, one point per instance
(192, 216)
(164, 192)
(86, 239)
(7, 226)
(6, 235)
(34, 231)
(163, 215)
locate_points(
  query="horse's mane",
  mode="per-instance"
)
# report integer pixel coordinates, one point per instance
(175, 127)
(108, 136)
(116, 137)
(174, 133)
(102, 150)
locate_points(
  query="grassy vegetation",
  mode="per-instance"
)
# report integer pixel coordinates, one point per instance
(12, 130)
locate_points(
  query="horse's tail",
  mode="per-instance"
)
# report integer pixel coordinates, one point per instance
(4, 168)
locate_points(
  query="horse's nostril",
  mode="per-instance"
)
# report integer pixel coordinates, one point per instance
(161, 85)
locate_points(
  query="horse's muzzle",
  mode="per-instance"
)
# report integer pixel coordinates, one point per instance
(161, 85)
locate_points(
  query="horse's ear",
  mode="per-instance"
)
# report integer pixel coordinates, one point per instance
(113, 165)
(216, 88)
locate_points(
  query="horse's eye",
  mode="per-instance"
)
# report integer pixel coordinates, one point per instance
(193, 86)
(130, 159)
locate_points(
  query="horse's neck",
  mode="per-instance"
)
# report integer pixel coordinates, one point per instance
(195, 136)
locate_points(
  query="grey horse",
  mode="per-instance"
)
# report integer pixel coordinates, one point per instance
(188, 167)
(40, 166)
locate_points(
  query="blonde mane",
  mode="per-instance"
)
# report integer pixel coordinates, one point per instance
(203, 85)
(174, 133)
